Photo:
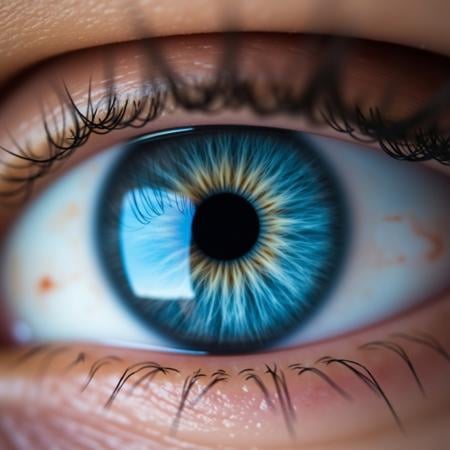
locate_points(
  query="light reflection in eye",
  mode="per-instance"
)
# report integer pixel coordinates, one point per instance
(162, 243)
(268, 227)
(55, 284)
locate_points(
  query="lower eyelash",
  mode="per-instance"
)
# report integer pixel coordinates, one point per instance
(284, 397)
(301, 369)
(250, 374)
(400, 351)
(275, 387)
(189, 382)
(367, 377)
(99, 363)
(426, 340)
(153, 367)
(80, 359)
(414, 138)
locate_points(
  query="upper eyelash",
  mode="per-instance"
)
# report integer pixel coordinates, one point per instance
(413, 138)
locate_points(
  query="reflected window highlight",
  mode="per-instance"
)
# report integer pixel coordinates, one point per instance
(155, 254)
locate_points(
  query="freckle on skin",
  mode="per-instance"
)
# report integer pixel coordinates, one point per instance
(45, 285)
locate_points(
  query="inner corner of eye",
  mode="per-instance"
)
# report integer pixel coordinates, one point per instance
(226, 239)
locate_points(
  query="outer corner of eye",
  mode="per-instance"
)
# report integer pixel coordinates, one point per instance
(227, 239)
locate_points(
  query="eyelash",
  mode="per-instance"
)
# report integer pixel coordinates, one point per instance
(275, 373)
(414, 138)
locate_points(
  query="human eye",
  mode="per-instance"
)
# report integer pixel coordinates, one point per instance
(335, 322)
(172, 216)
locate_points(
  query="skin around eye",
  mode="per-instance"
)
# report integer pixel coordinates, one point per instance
(62, 414)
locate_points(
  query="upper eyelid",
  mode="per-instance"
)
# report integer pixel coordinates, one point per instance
(394, 136)
(112, 27)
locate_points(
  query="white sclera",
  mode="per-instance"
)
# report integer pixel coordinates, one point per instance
(399, 252)
(51, 273)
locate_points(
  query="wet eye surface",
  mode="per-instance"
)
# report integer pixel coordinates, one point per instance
(224, 239)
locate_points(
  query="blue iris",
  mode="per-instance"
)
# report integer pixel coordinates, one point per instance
(223, 238)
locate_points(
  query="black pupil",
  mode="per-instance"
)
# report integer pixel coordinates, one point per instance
(225, 226)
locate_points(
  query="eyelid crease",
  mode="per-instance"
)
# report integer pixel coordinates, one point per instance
(417, 137)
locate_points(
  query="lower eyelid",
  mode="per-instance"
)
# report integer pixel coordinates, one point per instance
(36, 385)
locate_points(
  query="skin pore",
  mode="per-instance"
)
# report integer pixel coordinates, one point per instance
(56, 395)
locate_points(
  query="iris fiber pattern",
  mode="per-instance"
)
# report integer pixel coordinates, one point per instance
(229, 304)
